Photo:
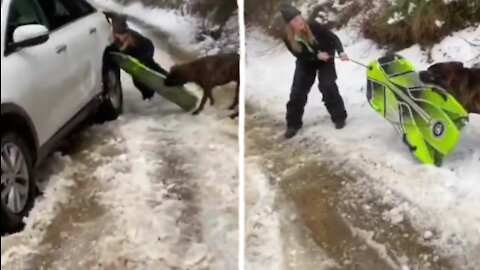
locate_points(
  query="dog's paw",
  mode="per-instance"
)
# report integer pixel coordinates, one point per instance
(147, 96)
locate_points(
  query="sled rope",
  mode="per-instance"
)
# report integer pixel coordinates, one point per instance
(355, 62)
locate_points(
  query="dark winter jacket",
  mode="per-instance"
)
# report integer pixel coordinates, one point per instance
(327, 42)
(142, 48)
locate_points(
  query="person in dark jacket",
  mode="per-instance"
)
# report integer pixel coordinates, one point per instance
(134, 44)
(314, 47)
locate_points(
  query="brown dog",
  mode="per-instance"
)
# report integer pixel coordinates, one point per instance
(462, 83)
(208, 72)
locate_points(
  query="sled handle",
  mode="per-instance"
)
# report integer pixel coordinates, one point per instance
(355, 62)
(361, 64)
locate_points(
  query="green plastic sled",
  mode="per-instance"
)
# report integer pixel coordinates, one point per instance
(155, 81)
(426, 116)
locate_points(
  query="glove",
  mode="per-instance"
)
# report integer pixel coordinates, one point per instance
(323, 56)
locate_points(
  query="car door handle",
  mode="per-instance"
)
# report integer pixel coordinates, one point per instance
(61, 49)
(93, 30)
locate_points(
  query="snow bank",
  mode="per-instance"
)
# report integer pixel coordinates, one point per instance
(447, 198)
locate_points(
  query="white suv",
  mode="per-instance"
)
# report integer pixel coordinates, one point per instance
(53, 78)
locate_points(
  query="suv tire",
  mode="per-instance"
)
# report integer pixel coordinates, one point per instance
(18, 190)
(112, 102)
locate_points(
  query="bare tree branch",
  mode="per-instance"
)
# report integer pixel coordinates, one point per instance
(469, 42)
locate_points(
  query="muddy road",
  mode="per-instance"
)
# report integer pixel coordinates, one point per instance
(328, 213)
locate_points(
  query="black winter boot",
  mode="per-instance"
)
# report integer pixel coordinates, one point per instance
(340, 124)
(290, 133)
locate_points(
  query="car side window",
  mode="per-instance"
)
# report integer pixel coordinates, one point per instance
(62, 12)
(85, 7)
(22, 12)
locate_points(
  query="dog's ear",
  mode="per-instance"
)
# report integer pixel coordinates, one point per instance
(172, 72)
(434, 67)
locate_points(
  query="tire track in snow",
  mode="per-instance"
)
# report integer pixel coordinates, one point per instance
(275, 237)
(154, 205)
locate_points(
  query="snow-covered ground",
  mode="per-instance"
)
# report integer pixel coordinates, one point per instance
(444, 200)
(156, 189)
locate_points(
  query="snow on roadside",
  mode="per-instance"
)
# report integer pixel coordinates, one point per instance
(446, 199)
(57, 193)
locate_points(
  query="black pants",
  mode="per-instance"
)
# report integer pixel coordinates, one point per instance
(145, 58)
(304, 78)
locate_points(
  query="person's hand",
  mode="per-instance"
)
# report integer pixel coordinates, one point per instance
(124, 41)
(124, 45)
(323, 56)
(344, 57)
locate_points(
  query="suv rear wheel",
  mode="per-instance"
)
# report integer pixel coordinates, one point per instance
(17, 184)
(112, 104)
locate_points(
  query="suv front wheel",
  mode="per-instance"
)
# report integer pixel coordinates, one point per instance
(17, 185)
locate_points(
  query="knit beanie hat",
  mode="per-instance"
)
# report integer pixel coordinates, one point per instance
(119, 24)
(289, 12)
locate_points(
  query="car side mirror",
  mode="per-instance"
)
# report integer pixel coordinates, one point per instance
(29, 35)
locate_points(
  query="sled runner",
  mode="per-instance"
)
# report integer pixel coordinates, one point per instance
(426, 116)
(155, 81)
